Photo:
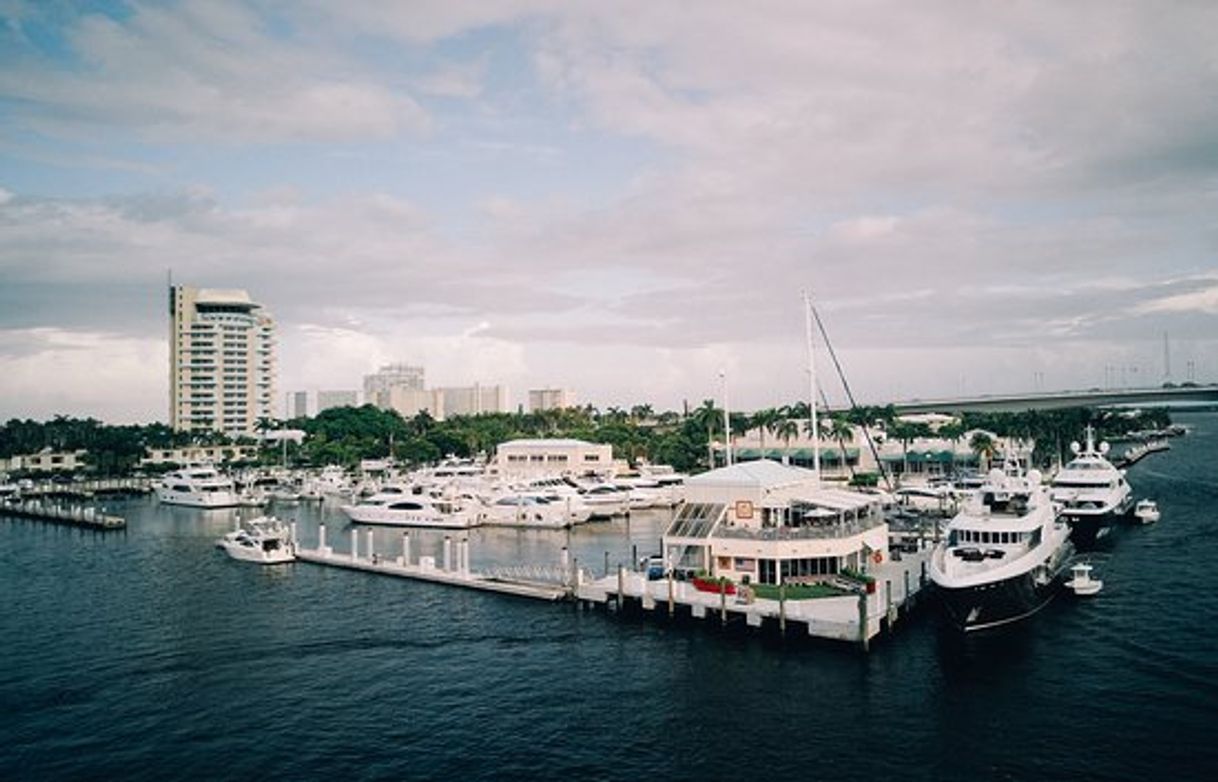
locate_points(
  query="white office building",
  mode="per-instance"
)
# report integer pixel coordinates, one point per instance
(551, 399)
(378, 384)
(330, 399)
(535, 457)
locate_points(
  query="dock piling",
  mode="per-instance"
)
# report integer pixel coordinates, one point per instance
(448, 553)
(405, 549)
(354, 544)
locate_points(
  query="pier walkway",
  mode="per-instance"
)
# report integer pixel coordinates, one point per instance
(74, 515)
(453, 569)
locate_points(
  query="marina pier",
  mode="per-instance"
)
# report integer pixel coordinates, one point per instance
(452, 569)
(72, 515)
(856, 618)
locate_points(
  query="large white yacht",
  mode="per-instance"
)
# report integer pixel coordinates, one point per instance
(396, 507)
(1091, 491)
(197, 487)
(1004, 553)
(534, 510)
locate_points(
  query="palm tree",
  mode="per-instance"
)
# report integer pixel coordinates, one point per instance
(982, 445)
(787, 430)
(764, 421)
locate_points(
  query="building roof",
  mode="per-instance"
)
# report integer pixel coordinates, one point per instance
(558, 442)
(762, 474)
(224, 296)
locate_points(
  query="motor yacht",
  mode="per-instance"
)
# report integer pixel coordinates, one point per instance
(606, 500)
(1092, 492)
(197, 487)
(265, 540)
(534, 510)
(398, 508)
(1004, 553)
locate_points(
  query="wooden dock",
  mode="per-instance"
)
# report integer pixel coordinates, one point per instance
(89, 488)
(74, 515)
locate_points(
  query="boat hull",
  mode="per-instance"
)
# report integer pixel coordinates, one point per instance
(1087, 528)
(382, 518)
(213, 499)
(1004, 602)
(256, 555)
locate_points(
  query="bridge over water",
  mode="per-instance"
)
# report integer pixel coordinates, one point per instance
(1051, 400)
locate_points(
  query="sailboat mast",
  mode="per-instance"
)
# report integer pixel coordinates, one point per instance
(814, 424)
(727, 422)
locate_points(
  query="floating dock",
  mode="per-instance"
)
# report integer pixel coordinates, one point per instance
(74, 515)
(453, 568)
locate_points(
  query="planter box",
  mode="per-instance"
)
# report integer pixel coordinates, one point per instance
(709, 585)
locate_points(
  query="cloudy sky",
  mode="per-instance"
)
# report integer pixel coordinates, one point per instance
(621, 198)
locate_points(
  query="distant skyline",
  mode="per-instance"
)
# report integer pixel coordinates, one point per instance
(621, 199)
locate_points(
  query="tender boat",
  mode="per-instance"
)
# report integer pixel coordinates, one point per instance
(265, 540)
(1004, 553)
(1081, 582)
(1146, 511)
(397, 508)
(197, 487)
(1092, 492)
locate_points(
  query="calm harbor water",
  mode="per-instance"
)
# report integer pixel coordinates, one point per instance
(149, 655)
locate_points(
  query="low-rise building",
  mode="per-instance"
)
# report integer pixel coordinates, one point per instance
(532, 457)
(45, 460)
(200, 454)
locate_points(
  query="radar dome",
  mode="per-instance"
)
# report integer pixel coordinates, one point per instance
(1074, 447)
(1103, 448)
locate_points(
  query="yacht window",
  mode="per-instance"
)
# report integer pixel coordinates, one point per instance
(405, 506)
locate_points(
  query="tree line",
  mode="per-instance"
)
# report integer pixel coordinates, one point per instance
(346, 435)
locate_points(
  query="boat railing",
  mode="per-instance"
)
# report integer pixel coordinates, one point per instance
(807, 532)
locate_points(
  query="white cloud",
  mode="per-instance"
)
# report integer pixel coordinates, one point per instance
(48, 371)
(203, 71)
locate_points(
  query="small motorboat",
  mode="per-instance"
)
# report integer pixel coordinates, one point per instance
(1146, 511)
(1081, 582)
(265, 540)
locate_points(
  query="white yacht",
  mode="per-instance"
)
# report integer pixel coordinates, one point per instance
(1092, 492)
(399, 508)
(606, 500)
(197, 487)
(265, 540)
(532, 510)
(1004, 553)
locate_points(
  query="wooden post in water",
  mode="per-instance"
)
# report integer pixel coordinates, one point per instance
(722, 603)
(782, 608)
(606, 563)
(864, 641)
(621, 585)
(448, 553)
(905, 598)
(405, 549)
(371, 548)
(671, 606)
(354, 544)
(321, 539)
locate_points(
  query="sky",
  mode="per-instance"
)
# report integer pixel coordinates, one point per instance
(625, 199)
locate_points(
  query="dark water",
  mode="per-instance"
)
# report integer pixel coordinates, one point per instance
(150, 655)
